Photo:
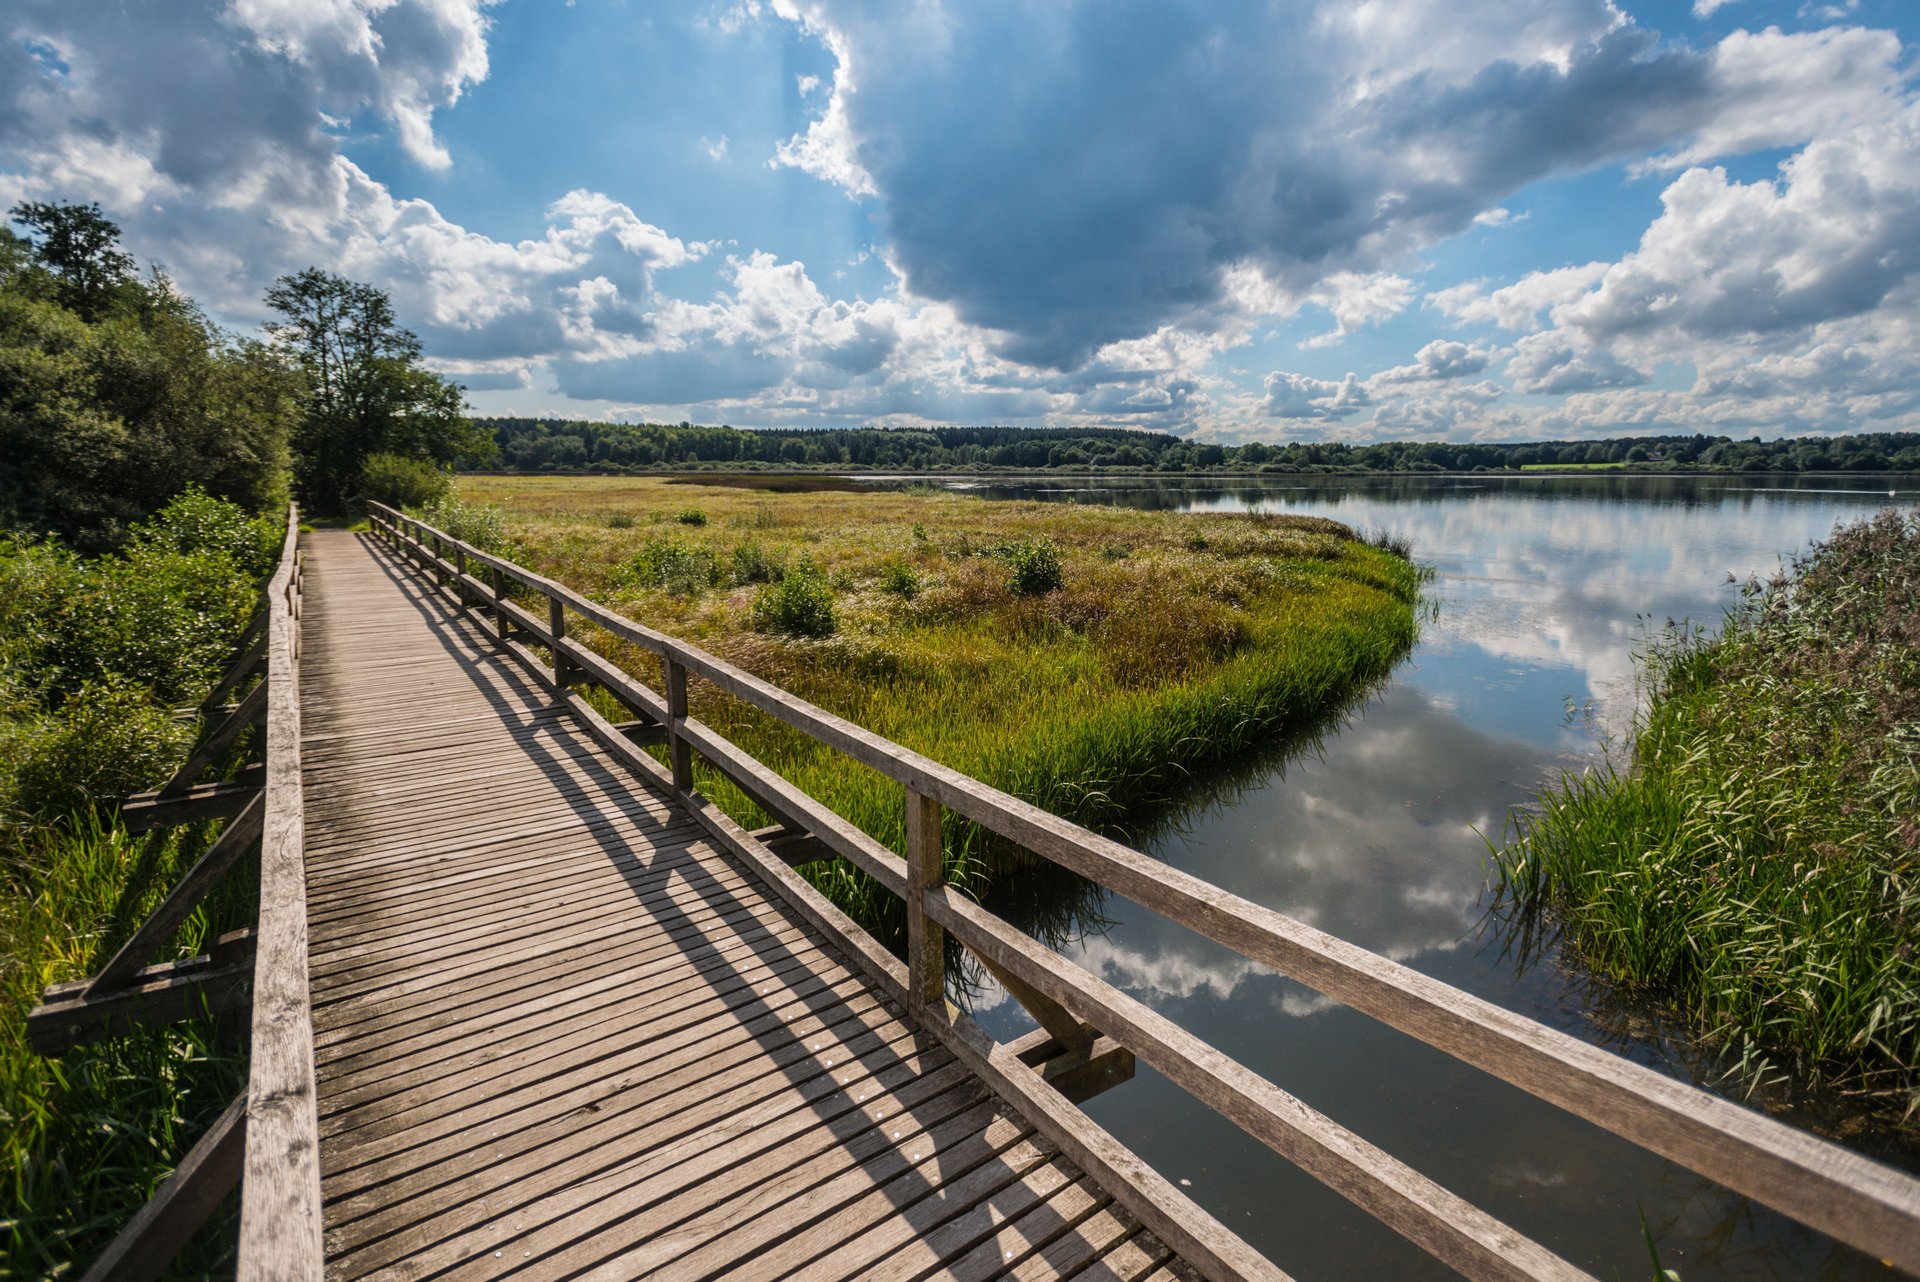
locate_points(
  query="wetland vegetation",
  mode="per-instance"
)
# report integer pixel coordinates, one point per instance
(1087, 659)
(1755, 859)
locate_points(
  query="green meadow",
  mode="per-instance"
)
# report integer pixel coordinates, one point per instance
(1088, 659)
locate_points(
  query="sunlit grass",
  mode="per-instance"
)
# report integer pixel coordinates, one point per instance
(1757, 860)
(1174, 642)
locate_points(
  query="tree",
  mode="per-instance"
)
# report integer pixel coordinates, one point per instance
(366, 392)
(118, 394)
(81, 248)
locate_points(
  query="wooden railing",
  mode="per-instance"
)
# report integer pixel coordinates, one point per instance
(267, 1139)
(1855, 1200)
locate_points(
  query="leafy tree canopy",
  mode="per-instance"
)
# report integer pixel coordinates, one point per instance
(117, 393)
(366, 392)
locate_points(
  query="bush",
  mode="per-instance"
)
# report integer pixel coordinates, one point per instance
(665, 561)
(691, 516)
(620, 521)
(107, 741)
(1034, 565)
(753, 563)
(399, 481)
(196, 522)
(898, 578)
(472, 523)
(799, 605)
(155, 617)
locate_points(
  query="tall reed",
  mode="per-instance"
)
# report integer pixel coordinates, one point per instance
(1756, 857)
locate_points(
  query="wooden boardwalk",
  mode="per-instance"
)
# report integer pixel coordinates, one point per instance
(556, 1032)
(522, 1000)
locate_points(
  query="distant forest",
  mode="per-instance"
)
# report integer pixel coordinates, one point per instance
(558, 445)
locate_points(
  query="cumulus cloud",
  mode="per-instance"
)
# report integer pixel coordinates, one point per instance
(1302, 396)
(1439, 361)
(1107, 187)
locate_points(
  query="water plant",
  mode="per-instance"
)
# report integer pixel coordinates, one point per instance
(1755, 857)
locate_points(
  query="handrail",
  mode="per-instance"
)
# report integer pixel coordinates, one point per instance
(280, 1235)
(1849, 1197)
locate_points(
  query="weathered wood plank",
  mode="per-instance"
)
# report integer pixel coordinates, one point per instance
(145, 811)
(280, 1235)
(172, 912)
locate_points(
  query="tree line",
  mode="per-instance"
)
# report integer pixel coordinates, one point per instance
(571, 445)
(118, 393)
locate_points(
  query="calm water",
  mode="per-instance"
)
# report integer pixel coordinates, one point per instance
(1372, 830)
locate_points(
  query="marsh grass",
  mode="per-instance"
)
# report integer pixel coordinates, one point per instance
(1755, 861)
(1097, 698)
(89, 1136)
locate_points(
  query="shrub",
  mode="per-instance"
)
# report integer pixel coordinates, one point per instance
(473, 523)
(691, 516)
(753, 563)
(108, 740)
(665, 561)
(620, 521)
(399, 481)
(799, 605)
(899, 578)
(196, 522)
(155, 617)
(1034, 565)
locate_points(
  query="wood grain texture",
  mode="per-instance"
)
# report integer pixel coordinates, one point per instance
(280, 1190)
(558, 1029)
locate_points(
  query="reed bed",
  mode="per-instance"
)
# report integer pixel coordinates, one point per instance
(1755, 859)
(1088, 659)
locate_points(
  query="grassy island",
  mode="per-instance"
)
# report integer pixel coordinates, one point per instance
(1085, 658)
(1757, 859)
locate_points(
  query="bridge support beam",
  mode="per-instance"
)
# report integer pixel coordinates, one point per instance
(926, 867)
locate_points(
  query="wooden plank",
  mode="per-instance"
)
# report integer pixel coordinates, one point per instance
(214, 982)
(245, 714)
(172, 912)
(904, 1229)
(926, 868)
(145, 811)
(280, 1235)
(147, 1245)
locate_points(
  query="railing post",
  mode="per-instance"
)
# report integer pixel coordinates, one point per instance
(557, 627)
(679, 751)
(460, 576)
(499, 582)
(926, 867)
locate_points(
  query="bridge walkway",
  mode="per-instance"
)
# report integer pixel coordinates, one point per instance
(557, 1033)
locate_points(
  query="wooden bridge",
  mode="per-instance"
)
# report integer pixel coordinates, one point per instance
(523, 1001)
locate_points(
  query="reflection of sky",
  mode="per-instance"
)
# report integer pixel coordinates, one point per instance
(1544, 594)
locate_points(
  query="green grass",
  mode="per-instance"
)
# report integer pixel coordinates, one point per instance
(1756, 860)
(89, 1136)
(1172, 643)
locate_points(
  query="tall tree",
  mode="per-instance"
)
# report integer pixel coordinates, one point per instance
(81, 247)
(116, 394)
(366, 391)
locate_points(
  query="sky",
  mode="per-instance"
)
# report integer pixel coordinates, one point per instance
(1290, 221)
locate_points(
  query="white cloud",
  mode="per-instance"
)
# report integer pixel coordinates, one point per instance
(1442, 360)
(1302, 396)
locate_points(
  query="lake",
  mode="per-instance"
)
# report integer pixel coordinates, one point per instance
(1375, 828)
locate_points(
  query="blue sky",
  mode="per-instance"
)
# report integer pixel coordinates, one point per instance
(1365, 220)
